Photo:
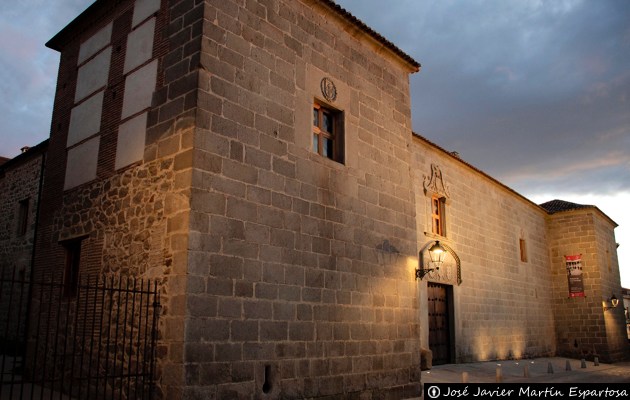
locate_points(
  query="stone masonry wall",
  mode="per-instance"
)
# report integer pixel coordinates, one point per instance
(583, 327)
(614, 319)
(301, 277)
(170, 136)
(501, 309)
(133, 220)
(19, 183)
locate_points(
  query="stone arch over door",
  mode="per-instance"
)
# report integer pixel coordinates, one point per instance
(438, 303)
(450, 272)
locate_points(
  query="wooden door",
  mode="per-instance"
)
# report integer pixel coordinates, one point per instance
(439, 332)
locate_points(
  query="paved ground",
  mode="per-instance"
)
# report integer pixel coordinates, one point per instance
(538, 371)
(514, 371)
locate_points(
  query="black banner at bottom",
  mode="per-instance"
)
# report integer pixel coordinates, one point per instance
(578, 391)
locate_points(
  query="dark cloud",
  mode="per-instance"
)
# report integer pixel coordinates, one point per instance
(522, 89)
(517, 87)
(535, 93)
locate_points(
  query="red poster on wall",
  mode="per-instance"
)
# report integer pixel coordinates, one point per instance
(574, 275)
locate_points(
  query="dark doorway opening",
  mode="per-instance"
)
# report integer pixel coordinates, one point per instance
(440, 310)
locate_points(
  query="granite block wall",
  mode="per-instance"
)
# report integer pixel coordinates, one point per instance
(291, 294)
(282, 273)
(502, 309)
(20, 180)
(585, 328)
(19, 188)
(131, 217)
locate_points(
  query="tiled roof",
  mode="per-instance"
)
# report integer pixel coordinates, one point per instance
(456, 156)
(354, 20)
(98, 8)
(41, 148)
(551, 207)
(555, 206)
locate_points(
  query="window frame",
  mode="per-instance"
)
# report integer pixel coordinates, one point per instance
(438, 219)
(72, 267)
(321, 134)
(23, 211)
(522, 244)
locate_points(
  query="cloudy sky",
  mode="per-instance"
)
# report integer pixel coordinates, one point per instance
(536, 93)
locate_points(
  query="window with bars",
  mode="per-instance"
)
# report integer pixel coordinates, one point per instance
(328, 132)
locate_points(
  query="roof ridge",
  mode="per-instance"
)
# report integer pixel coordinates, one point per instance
(557, 205)
(375, 35)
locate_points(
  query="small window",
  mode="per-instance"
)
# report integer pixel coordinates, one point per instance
(22, 226)
(71, 271)
(437, 215)
(523, 250)
(328, 132)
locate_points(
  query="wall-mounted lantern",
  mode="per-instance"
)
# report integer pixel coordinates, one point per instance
(437, 253)
(614, 302)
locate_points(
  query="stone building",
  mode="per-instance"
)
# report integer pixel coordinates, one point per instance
(591, 322)
(511, 296)
(20, 183)
(182, 147)
(257, 158)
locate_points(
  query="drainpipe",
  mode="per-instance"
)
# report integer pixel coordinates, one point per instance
(32, 267)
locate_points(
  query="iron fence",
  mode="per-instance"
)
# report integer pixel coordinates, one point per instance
(95, 341)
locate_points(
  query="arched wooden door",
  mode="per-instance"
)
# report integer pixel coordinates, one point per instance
(439, 323)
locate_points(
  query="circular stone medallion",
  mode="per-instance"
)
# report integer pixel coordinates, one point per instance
(329, 90)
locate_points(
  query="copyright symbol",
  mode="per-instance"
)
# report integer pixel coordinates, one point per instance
(433, 392)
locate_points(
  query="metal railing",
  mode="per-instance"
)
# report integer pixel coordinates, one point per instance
(95, 341)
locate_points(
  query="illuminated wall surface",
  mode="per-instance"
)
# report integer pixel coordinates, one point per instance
(514, 305)
(503, 308)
